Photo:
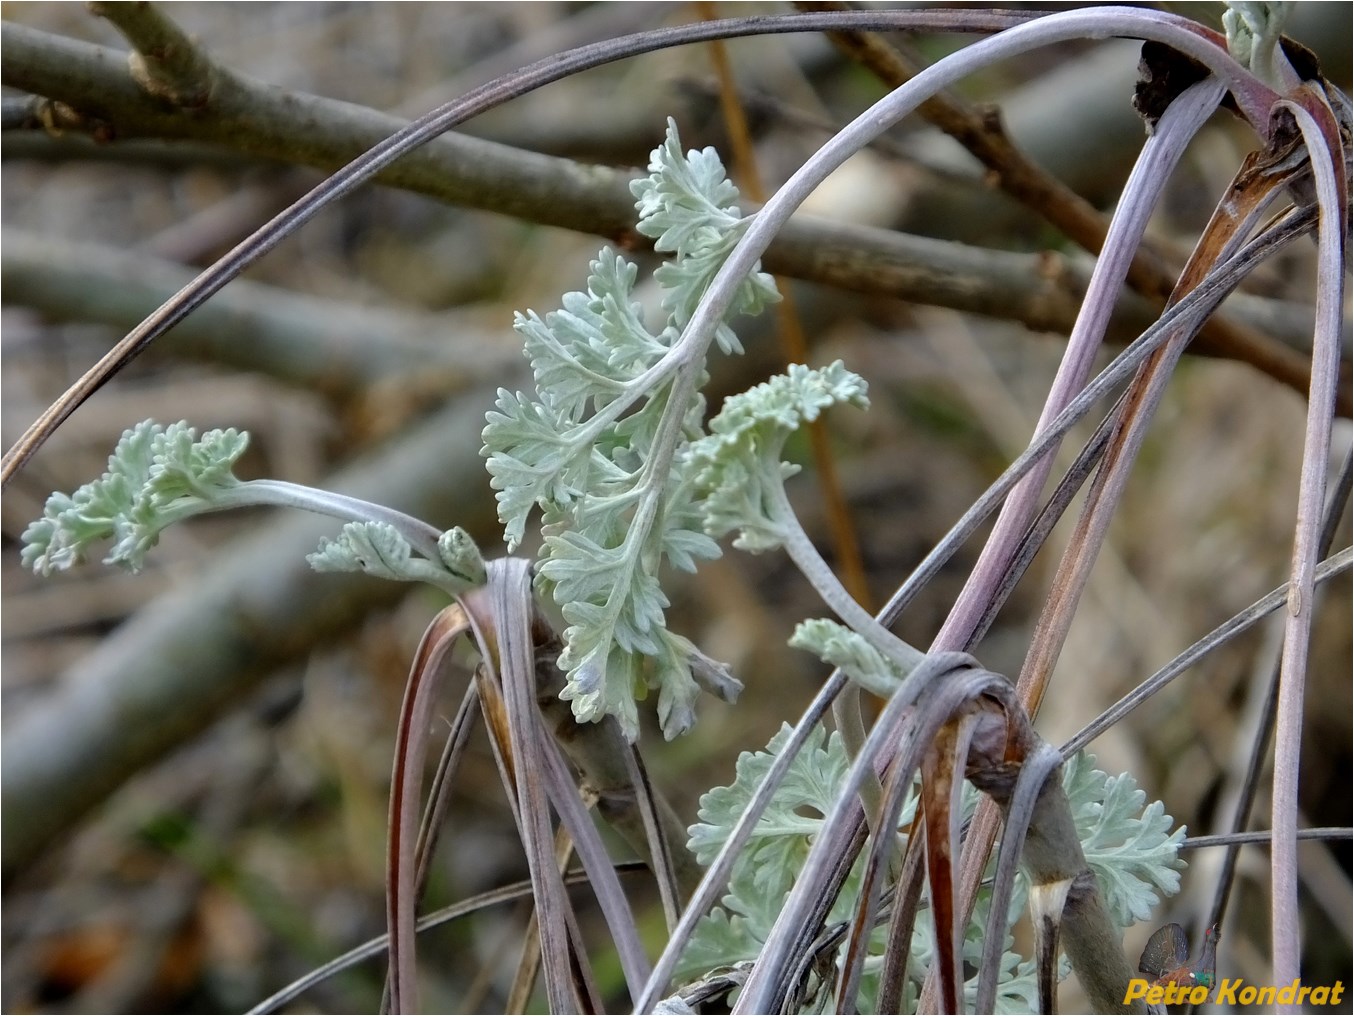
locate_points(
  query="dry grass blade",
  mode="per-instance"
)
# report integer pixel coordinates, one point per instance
(1255, 186)
(439, 794)
(1037, 767)
(1325, 139)
(505, 619)
(529, 956)
(610, 767)
(1333, 566)
(510, 605)
(942, 780)
(1132, 413)
(872, 892)
(660, 851)
(898, 949)
(983, 134)
(1264, 837)
(1189, 312)
(592, 852)
(1038, 533)
(411, 745)
(1159, 155)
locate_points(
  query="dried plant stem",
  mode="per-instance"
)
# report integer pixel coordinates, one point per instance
(1328, 172)
(1181, 120)
(1335, 565)
(1260, 740)
(405, 800)
(1134, 414)
(1145, 185)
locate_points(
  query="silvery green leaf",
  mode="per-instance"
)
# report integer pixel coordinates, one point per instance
(602, 677)
(580, 568)
(372, 547)
(737, 500)
(684, 537)
(781, 839)
(839, 646)
(1253, 31)
(710, 674)
(1130, 848)
(673, 674)
(685, 198)
(766, 869)
(723, 936)
(561, 375)
(531, 459)
(674, 1006)
(581, 450)
(738, 464)
(156, 476)
(184, 466)
(595, 345)
(691, 209)
(461, 556)
(681, 546)
(381, 550)
(687, 280)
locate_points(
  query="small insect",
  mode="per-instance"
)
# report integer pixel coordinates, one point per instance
(1166, 958)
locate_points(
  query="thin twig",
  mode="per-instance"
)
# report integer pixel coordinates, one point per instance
(166, 63)
(341, 349)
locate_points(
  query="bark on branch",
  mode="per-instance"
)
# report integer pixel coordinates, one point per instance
(93, 89)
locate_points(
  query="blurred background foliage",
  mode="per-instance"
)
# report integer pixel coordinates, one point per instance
(254, 851)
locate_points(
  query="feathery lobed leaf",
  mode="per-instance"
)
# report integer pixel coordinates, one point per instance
(580, 451)
(156, 476)
(1127, 846)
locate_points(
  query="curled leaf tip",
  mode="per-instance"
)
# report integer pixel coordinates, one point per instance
(156, 476)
